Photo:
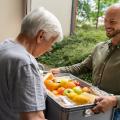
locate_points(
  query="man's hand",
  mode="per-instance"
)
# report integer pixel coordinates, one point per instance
(55, 70)
(104, 103)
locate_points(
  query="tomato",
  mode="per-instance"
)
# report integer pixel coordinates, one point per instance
(77, 83)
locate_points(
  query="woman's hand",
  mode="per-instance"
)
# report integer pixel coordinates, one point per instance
(104, 103)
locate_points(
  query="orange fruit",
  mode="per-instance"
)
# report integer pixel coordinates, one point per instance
(48, 76)
(50, 85)
(86, 89)
(71, 84)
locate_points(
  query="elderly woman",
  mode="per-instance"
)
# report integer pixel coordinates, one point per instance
(21, 87)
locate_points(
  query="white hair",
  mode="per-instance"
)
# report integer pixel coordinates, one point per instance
(41, 19)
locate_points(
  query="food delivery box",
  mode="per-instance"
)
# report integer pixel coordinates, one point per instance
(70, 98)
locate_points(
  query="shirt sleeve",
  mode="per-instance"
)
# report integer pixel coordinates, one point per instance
(86, 66)
(28, 94)
(118, 101)
(80, 68)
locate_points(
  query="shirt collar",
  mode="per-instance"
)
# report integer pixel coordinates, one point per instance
(112, 46)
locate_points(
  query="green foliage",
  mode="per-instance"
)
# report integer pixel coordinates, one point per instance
(90, 11)
(106, 3)
(84, 9)
(86, 77)
(73, 49)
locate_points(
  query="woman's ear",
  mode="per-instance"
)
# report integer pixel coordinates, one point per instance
(40, 36)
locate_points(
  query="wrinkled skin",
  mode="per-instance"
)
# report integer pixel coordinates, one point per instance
(104, 103)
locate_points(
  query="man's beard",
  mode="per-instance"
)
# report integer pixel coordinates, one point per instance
(113, 34)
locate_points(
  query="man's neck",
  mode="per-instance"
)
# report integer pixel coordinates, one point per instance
(116, 40)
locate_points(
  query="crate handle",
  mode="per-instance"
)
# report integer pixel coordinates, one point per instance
(88, 113)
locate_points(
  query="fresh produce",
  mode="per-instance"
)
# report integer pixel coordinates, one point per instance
(84, 98)
(70, 88)
(86, 89)
(60, 90)
(76, 83)
(77, 89)
(69, 93)
(49, 76)
(50, 83)
(90, 96)
(81, 99)
(64, 83)
(70, 84)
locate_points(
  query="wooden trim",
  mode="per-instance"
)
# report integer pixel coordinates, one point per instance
(27, 6)
(73, 16)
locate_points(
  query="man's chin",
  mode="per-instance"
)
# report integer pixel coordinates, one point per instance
(113, 34)
(108, 35)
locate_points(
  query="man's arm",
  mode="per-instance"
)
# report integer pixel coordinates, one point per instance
(80, 68)
(76, 69)
(37, 115)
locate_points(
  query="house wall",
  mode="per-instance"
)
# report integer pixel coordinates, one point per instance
(11, 14)
(60, 8)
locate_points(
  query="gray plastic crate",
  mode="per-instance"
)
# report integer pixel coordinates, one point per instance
(54, 111)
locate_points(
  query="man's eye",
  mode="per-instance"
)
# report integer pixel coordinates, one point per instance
(113, 22)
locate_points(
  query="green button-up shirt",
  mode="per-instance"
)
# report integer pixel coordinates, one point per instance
(104, 63)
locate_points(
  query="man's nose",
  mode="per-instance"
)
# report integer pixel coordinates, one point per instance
(107, 24)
